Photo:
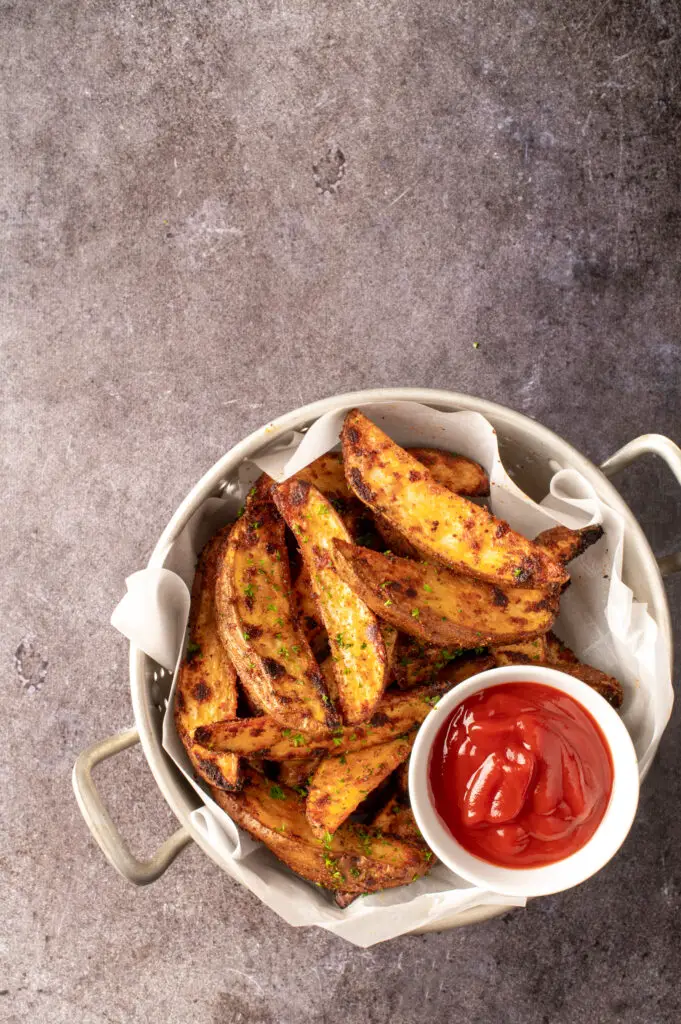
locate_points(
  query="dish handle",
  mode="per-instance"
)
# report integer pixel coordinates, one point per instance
(98, 819)
(650, 444)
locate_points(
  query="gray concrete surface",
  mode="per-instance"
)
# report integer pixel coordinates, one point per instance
(212, 213)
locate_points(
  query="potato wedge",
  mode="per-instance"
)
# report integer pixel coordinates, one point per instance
(442, 525)
(397, 819)
(417, 662)
(563, 544)
(558, 653)
(307, 612)
(455, 472)
(356, 643)
(397, 713)
(206, 688)
(257, 624)
(327, 475)
(435, 605)
(354, 860)
(534, 650)
(341, 783)
(463, 668)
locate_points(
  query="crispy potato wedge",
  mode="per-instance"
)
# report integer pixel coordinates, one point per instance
(442, 525)
(309, 618)
(435, 605)
(355, 859)
(463, 668)
(417, 662)
(457, 473)
(397, 819)
(563, 544)
(257, 624)
(357, 646)
(327, 475)
(296, 774)
(207, 685)
(341, 783)
(558, 653)
(397, 713)
(534, 650)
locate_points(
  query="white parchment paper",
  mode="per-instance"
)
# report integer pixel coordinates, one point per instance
(599, 619)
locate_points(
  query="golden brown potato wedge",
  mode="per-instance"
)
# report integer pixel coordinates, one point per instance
(457, 473)
(396, 714)
(435, 605)
(534, 650)
(397, 819)
(257, 623)
(309, 618)
(327, 475)
(417, 662)
(463, 668)
(206, 688)
(444, 526)
(355, 859)
(558, 653)
(563, 544)
(341, 783)
(355, 639)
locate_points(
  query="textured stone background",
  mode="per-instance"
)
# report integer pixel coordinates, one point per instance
(213, 212)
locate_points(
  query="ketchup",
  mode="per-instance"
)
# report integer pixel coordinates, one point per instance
(521, 775)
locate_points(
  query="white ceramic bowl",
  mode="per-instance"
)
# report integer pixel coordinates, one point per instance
(573, 869)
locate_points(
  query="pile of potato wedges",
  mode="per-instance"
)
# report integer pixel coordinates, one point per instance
(325, 624)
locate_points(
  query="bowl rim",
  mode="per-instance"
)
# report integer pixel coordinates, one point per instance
(175, 791)
(571, 870)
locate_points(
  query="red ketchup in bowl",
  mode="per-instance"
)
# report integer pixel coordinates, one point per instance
(521, 775)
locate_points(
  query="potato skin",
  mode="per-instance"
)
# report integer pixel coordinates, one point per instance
(206, 688)
(341, 783)
(258, 626)
(440, 607)
(354, 860)
(564, 544)
(396, 714)
(357, 647)
(441, 525)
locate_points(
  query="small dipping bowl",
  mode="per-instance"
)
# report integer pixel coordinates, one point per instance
(572, 869)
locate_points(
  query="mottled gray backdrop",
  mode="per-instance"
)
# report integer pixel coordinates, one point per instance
(214, 212)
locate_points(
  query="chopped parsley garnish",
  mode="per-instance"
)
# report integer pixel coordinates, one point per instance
(193, 649)
(415, 613)
(249, 590)
(277, 793)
